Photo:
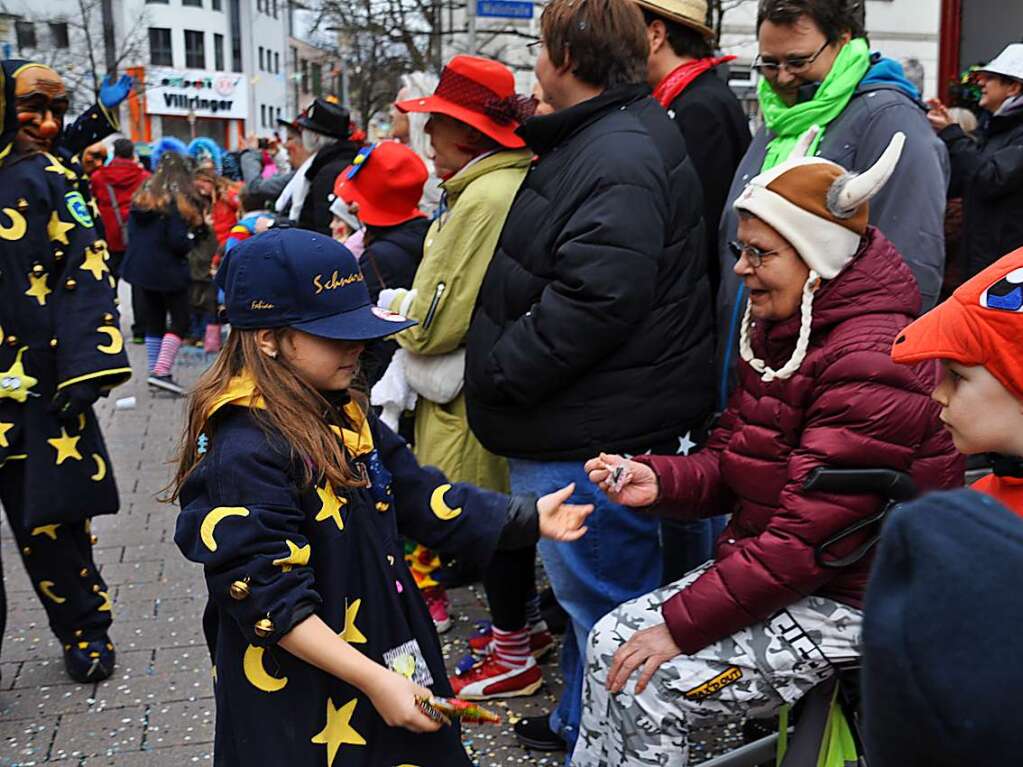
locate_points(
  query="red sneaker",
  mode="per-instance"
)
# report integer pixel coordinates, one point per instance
(541, 641)
(490, 679)
(437, 603)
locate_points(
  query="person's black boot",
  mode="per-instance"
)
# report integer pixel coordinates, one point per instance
(88, 662)
(535, 733)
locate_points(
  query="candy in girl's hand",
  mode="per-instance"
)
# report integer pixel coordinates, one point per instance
(618, 478)
(453, 708)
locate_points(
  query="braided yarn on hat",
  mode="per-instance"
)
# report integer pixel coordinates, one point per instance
(768, 374)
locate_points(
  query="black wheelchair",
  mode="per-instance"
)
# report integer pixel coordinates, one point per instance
(805, 736)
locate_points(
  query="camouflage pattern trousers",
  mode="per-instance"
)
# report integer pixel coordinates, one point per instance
(747, 675)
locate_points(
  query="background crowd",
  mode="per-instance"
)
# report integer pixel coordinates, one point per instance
(618, 287)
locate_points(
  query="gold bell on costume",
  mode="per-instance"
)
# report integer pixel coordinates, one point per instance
(240, 590)
(264, 628)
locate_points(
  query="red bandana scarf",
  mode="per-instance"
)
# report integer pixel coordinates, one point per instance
(672, 85)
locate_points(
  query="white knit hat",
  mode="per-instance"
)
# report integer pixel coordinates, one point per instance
(821, 209)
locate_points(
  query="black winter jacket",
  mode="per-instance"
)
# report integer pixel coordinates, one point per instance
(717, 136)
(390, 261)
(323, 171)
(158, 247)
(988, 175)
(593, 329)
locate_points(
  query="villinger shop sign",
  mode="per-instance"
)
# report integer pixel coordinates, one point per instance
(207, 94)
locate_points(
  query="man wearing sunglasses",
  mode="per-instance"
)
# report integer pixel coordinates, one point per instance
(817, 69)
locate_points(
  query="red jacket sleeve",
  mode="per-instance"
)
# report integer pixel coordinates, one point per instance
(691, 486)
(863, 412)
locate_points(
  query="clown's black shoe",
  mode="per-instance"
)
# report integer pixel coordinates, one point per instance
(90, 661)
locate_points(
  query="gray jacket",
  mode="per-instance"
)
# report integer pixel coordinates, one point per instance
(910, 210)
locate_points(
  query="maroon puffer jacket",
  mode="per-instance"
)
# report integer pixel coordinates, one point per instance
(848, 406)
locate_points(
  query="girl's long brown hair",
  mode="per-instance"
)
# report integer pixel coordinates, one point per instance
(171, 188)
(294, 411)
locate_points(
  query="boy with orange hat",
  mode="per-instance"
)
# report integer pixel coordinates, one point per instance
(975, 334)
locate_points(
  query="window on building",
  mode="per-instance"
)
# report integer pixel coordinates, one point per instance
(277, 63)
(305, 75)
(261, 57)
(59, 35)
(25, 32)
(217, 5)
(259, 6)
(195, 49)
(236, 35)
(273, 4)
(316, 75)
(262, 115)
(162, 2)
(160, 52)
(196, 3)
(218, 52)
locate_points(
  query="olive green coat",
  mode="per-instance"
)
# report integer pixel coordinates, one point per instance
(456, 255)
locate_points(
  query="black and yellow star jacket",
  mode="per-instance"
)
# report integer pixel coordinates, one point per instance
(59, 328)
(276, 551)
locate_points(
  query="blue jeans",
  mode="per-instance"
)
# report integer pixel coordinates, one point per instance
(617, 560)
(687, 544)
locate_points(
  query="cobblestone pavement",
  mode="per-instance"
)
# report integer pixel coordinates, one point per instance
(158, 708)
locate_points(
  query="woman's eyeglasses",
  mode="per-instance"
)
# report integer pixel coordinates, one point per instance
(753, 254)
(794, 65)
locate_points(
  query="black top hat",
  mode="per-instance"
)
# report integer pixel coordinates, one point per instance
(324, 117)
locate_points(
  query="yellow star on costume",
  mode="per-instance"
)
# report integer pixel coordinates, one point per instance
(56, 166)
(38, 288)
(331, 508)
(14, 382)
(351, 634)
(95, 262)
(50, 531)
(66, 446)
(57, 229)
(297, 556)
(4, 428)
(338, 729)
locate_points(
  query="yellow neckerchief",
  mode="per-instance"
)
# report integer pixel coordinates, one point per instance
(240, 392)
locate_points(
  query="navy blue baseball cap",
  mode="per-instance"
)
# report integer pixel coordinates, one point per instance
(295, 278)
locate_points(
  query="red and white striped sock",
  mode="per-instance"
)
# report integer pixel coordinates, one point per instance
(512, 647)
(168, 353)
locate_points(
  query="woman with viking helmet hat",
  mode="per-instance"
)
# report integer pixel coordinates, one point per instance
(757, 627)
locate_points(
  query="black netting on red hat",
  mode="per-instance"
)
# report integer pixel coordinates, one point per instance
(468, 93)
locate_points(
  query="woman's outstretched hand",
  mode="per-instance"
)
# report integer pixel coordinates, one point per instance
(562, 521)
(626, 482)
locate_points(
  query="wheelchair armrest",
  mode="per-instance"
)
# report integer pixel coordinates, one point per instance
(892, 484)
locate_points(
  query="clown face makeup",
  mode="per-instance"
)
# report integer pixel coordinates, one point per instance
(41, 104)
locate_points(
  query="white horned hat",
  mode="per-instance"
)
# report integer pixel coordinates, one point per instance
(822, 210)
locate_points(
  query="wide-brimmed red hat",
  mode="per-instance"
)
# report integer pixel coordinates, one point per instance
(481, 93)
(387, 181)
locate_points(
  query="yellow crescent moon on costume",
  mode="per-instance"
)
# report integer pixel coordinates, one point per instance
(252, 663)
(116, 340)
(107, 605)
(440, 509)
(47, 588)
(212, 519)
(17, 228)
(101, 468)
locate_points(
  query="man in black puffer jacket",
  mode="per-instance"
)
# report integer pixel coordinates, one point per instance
(593, 328)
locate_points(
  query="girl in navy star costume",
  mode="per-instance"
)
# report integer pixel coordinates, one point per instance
(295, 499)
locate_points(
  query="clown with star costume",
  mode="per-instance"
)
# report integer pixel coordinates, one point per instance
(60, 350)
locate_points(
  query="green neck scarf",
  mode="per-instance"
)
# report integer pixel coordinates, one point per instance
(788, 123)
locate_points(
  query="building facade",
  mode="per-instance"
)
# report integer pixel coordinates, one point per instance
(215, 68)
